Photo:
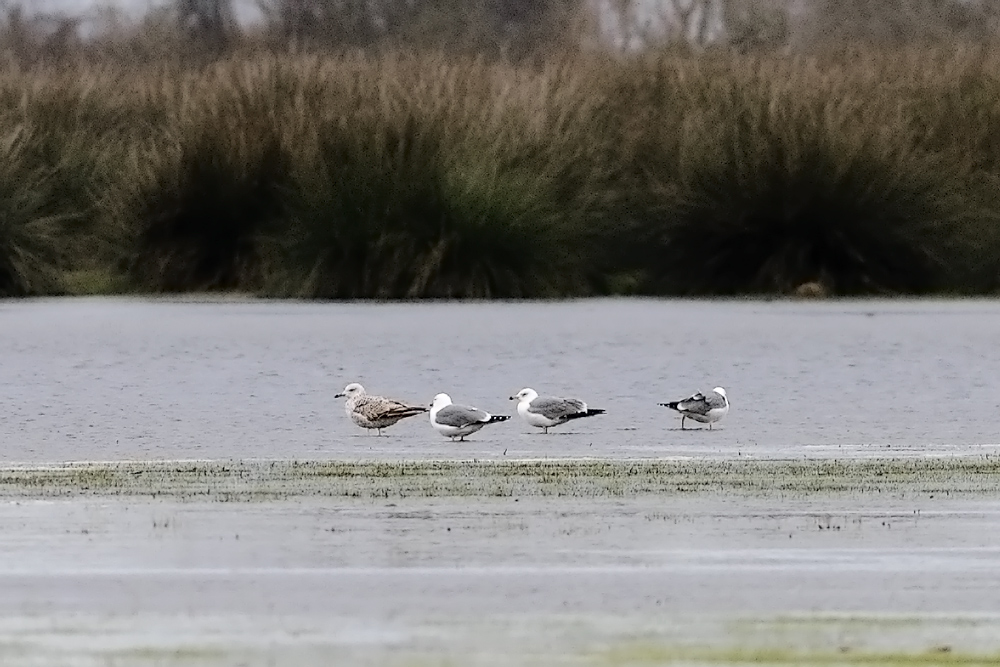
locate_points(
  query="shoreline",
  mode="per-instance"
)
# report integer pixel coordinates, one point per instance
(262, 480)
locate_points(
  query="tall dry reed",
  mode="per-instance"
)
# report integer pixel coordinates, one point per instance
(408, 175)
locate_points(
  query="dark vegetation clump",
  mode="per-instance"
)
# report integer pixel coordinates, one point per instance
(768, 192)
(390, 214)
(198, 219)
(30, 253)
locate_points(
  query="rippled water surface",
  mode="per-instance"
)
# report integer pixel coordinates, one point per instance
(137, 379)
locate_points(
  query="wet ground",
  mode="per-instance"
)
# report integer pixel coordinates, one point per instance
(571, 562)
(846, 512)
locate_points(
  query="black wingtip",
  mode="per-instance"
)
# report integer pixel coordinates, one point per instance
(589, 413)
(672, 405)
(498, 418)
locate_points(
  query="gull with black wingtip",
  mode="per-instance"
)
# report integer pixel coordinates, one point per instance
(457, 421)
(545, 412)
(704, 408)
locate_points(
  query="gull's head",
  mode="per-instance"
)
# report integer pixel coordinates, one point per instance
(721, 392)
(440, 401)
(351, 390)
(526, 394)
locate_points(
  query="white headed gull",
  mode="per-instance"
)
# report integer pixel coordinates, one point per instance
(457, 421)
(705, 408)
(546, 412)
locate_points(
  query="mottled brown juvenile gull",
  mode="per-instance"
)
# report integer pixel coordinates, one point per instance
(457, 421)
(375, 412)
(705, 408)
(546, 411)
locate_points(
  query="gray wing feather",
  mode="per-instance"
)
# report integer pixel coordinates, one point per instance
(460, 415)
(697, 404)
(556, 408)
(700, 404)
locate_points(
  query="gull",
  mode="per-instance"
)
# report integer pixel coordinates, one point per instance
(705, 408)
(457, 421)
(375, 412)
(546, 412)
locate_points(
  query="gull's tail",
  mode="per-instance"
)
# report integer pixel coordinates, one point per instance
(589, 412)
(498, 418)
(673, 405)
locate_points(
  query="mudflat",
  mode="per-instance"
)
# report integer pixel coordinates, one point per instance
(540, 562)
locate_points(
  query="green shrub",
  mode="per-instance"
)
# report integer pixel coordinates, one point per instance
(770, 188)
(195, 203)
(30, 253)
(395, 211)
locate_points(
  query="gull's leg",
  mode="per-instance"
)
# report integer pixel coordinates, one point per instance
(710, 426)
(545, 430)
(683, 417)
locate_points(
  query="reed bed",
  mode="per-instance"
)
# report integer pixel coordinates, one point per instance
(424, 175)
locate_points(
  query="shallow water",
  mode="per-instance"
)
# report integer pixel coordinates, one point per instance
(498, 581)
(104, 379)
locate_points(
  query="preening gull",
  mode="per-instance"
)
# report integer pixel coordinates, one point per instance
(377, 412)
(457, 421)
(705, 408)
(546, 412)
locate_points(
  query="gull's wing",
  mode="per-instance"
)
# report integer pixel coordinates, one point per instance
(556, 408)
(379, 407)
(461, 415)
(696, 404)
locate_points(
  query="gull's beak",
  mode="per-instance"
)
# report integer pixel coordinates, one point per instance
(512, 398)
(339, 395)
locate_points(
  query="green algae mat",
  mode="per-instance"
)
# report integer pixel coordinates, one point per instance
(268, 480)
